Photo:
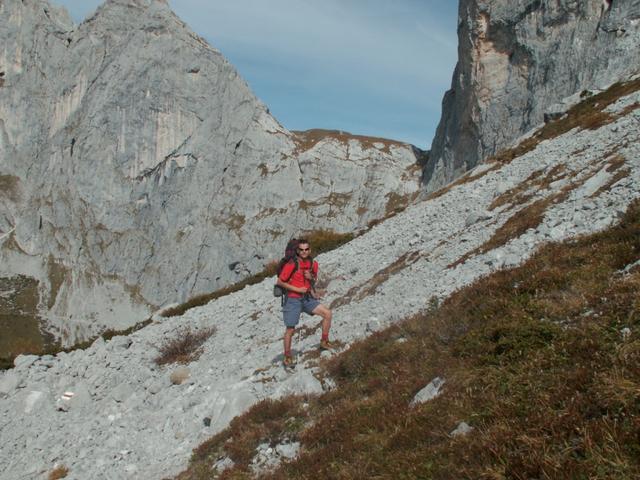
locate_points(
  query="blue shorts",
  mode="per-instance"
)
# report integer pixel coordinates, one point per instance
(293, 307)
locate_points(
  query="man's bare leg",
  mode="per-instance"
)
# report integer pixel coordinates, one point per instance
(288, 335)
(326, 315)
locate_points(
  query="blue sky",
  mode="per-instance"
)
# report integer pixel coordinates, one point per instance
(374, 67)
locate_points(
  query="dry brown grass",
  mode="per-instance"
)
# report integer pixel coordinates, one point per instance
(531, 216)
(533, 359)
(58, 473)
(308, 139)
(28, 343)
(629, 108)
(322, 241)
(397, 203)
(269, 420)
(9, 186)
(360, 292)
(186, 347)
(615, 164)
(524, 191)
(527, 218)
(335, 201)
(589, 114)
(466, 178)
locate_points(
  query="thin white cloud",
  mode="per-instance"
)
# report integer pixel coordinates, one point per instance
(371, 46)
(331, 35)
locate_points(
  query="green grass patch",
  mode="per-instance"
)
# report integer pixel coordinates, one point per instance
(533, 359)
(55, 348)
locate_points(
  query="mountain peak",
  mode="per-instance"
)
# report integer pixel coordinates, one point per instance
(133, 11)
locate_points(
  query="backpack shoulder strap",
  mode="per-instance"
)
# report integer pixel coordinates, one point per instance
(295, 267)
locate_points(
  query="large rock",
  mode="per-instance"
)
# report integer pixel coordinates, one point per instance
(515, 61)
(431, 391)
(137, 168)
(9, 381)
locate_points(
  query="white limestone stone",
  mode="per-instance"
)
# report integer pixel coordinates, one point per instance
(431, 391)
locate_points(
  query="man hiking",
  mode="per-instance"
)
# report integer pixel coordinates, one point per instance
(298, 278)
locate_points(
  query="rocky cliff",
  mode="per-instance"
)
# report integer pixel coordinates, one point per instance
(137, 168)
(517, 59)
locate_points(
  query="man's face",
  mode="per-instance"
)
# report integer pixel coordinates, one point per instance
(303, 250)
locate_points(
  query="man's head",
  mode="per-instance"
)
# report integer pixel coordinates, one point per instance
(304, 249)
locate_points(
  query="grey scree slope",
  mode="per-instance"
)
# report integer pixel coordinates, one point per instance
(126, 420)
(138, 169)
(517, 59)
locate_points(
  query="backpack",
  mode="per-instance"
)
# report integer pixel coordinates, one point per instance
(290, 254)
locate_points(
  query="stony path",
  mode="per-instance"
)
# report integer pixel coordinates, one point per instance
(125, 418)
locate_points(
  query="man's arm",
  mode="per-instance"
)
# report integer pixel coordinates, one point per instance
(313, 278)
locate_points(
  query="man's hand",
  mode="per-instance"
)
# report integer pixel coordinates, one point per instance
(317, 294)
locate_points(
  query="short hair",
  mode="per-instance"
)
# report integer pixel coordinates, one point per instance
(303, 240)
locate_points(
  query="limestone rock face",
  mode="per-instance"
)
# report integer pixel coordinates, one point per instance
(137, 168)
(518, 58)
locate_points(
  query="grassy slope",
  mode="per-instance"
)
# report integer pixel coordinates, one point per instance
(533, 359)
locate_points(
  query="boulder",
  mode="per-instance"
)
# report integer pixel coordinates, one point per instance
(463, 428)
(302, 382)
(431, 391)
(24, 361)
(9, 381)
(179, 375)
(122, 392)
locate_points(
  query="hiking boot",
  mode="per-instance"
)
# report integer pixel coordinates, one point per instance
(288, 361)
(326, 345)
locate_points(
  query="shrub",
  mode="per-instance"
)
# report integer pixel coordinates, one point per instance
(185, 347)
(326, 240)
(58, 472)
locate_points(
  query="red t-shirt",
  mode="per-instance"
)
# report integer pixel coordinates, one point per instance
(297, 279)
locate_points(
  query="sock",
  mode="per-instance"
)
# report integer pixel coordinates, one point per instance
(325, 336)
(287, 353)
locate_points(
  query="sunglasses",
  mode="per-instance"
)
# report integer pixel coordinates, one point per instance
(304, 249)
